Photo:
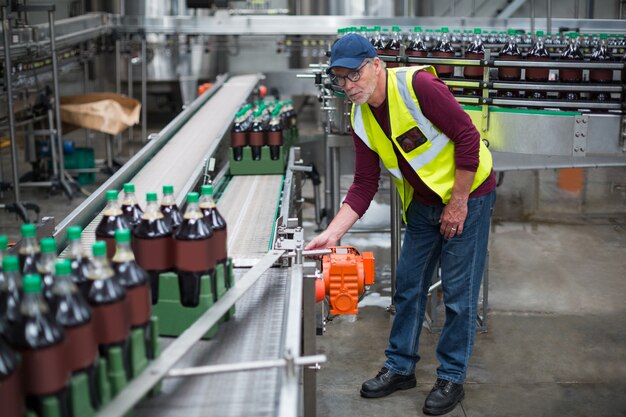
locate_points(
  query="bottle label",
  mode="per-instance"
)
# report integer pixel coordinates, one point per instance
(194, 255)
(154, 254)
(44, 370)
(140, 304)
(111, 321)
(82, 349)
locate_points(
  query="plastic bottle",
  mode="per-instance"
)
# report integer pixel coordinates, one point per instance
(510, 52)
(29, 250)
(256, 137)
(11, 396)
(275, 136)
(443, 49)
(239, 132)
(72, 311)
(377, 39)
(475, 50)
(171, 212)
(571, 53)
(136, 281)
(152, 243)
(45, 265)
(107, 298)
(392, 47)
(417, 46)
(39, 339)
(79, 261)
(194, 252)
(601, 53)
(538, 53)
(130, 205)
(10, 292)
(112, 219)
(217, 223)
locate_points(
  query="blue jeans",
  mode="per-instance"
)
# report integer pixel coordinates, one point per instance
(462, 263)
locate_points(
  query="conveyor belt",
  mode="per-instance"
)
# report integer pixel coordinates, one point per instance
(257, 332)
(249, 206)
(176, 162)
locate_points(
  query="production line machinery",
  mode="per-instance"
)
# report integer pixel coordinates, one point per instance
(263, 360)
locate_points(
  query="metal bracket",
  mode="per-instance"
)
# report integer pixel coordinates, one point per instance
(579, 143)
(484, 121)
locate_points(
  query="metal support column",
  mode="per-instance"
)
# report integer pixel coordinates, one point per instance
(549, 17)
(396, 224)
(57, 105)
(144, 91)
(129, 81)
(309, 325)
(328, 174)
(336, 181)
(18, 206)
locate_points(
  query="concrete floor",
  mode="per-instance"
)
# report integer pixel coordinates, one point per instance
(555, 344)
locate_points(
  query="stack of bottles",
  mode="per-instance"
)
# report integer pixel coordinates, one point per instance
(262, 124)
(164, 240)
(73, 330)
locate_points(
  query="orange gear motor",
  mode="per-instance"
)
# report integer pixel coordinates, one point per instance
(346, 272)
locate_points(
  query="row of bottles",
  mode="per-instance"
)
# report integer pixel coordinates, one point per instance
(63, 318)
(164, 240)
(381, 38)
(261, 125)
(510, 51)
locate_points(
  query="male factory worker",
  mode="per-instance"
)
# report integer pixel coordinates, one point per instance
(443, 172)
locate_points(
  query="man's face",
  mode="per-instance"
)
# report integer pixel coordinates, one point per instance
(360, 91)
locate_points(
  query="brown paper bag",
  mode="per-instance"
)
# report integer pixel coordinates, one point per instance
(105, 112)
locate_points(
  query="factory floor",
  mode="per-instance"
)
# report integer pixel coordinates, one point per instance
(555, 343)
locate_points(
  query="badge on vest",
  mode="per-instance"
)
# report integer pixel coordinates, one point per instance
(411, 140)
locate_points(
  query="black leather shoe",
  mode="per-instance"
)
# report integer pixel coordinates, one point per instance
(444, 396)
(385, 383)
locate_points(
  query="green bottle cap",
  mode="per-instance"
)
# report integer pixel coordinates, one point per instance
(603, 36)
(395, 28)
(539, 33)
(192, 198)
(63, 267)
(4, 242)
(74, 232)
(477, 30)
(99, 248)
(122, 236)
(28, 230)
(48, 245)
(112, 195)
(11, 263)
(151, 196)
(129, 187)
(168, 189)
(32, 284)
(206, 189)
(417, 29)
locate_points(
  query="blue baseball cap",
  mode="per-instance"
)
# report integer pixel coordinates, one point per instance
(350, 51)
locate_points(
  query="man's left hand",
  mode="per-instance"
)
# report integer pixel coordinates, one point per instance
(453, 217)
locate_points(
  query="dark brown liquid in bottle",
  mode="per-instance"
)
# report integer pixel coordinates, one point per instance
(28, 263)
(172, 215)
(132, 213)
(11, 396)
(80, 265)
(72, 311)
(392, 48)
(154, 249)
(194, 258)
(40, 341)
(106, 231)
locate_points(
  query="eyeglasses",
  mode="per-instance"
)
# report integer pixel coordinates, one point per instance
(353, 76)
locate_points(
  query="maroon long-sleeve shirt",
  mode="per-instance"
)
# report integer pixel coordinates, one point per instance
(441, 108)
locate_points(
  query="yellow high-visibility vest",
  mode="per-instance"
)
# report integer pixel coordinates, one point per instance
(432, 158)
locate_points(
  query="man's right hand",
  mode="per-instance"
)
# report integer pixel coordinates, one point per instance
(321, 241)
